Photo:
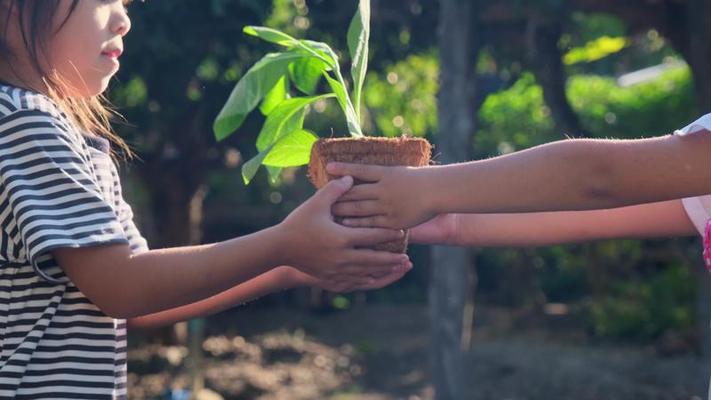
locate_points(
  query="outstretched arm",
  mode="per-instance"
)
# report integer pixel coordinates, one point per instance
(124, 285)
(280, 278)
(569, 175)
(663, 219)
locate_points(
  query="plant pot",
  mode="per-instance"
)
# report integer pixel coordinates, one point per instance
(413, 152)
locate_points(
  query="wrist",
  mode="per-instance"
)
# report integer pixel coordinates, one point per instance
(291, 277)
(432, 195)
(282, 240)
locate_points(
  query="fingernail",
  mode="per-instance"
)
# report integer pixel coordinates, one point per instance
(348, 180)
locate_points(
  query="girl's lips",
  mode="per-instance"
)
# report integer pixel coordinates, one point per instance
(113, 54)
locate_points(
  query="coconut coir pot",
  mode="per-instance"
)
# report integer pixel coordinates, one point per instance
(402, 151)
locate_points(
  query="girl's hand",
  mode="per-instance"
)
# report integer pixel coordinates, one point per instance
(316, 245)
(295, 278)
(392, 197)
(442, 229)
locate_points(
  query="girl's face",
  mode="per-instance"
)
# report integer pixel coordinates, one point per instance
(85, 50)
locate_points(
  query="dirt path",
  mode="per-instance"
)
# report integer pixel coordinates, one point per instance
(380, 353)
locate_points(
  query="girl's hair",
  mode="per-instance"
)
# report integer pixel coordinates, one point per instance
(35, 17)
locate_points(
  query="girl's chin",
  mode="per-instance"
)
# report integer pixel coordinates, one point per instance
(92, 85)
(93, 89)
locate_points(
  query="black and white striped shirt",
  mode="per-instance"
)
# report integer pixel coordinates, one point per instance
(58, 188)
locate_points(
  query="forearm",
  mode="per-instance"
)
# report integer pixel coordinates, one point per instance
(574, 175)
(663, 219)
(168, 278)
(272, 281)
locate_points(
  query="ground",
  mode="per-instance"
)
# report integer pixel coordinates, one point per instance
(379, 352)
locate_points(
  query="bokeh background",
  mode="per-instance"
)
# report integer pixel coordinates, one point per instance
(624, 319)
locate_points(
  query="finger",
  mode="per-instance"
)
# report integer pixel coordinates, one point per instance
(346, 285)
(333, 190)
(385, 280)
(363, 191)
(365, 173)
(369, 270)
(363, 237)
(364, 208)
(377, 221)
(371, 258)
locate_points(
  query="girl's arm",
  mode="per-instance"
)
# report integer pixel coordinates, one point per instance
(271, 281)
(125, 285)
(570, 175)
(663, 219)
(277, 279)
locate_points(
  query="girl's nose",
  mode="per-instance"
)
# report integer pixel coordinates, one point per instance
(121, 24)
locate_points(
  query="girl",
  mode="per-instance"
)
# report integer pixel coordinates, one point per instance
(73, 266)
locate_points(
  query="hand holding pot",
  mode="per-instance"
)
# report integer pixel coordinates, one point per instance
(390, 197)
(318, 246)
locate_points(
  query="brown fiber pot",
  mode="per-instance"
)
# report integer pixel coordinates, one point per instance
(413, 152)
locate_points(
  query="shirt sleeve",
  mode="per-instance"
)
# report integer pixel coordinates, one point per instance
(137, 242)
(49, 186)
(697, 208)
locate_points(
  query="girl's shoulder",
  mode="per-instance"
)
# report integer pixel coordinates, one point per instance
(30, 118)
(15, 99)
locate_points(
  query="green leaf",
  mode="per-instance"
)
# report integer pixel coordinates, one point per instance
(274, 173)
(358, 38)
(271, 35)
(250, 168)
(279, 93)
(250, 90)
(306, 74)
(342, 96)
(324, 52)
(284, 119)
(292, 150)
(315, 49)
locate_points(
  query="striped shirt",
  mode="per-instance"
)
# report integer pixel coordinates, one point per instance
(58, 189)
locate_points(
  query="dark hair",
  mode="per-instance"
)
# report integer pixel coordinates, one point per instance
(35, 17)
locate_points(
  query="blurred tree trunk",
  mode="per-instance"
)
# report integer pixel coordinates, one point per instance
(176, 179)
(450, 284)
(546, 60)
(699, 55)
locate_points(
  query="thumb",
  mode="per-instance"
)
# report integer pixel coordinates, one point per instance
(333, 190)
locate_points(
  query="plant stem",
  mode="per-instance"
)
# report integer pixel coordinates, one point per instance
(354, 124)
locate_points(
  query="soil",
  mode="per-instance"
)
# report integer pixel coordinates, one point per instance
(380, 352)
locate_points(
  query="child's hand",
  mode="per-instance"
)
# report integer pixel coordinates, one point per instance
(318, 246)
(441, 229)
(346, 284)
(391, 197)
